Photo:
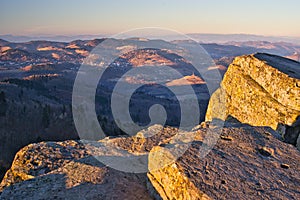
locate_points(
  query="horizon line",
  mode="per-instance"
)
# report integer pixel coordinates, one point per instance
(111, 34)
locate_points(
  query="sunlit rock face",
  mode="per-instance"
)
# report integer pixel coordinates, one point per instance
(260, 90)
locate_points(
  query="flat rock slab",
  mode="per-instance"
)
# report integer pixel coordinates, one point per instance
(246, 163)
(82, 179)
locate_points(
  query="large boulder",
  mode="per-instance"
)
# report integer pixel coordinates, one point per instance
(260, 90)
(71, 170)
(67, 170)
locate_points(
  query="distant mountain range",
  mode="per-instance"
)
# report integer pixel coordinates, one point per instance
(219, 38)
(77, 50)
(203, 38)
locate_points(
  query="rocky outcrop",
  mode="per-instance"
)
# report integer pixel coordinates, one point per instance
(66, 170)
(81, 179)
(70, 170)
(260, 90)
(246, 163)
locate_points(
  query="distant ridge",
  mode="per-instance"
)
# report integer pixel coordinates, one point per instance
(224, 38)
(200, 37)
(57, 38)
(3, 42)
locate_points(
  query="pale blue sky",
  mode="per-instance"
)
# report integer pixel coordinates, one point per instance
(265, 17)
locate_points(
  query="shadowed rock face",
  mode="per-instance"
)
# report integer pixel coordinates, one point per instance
(247, 162)
(261, 90)
(289, 67)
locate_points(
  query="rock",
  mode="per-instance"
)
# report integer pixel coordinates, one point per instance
(70, 170)
(38, 159)
(232, 170)
(260, 90)
(86, 178)
(66, 170)
(265, 152)
(285, 166)
(291, 134)
(227, 138)
(170, 181)
(298, 142)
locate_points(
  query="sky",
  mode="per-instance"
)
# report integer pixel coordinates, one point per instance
(75, 17)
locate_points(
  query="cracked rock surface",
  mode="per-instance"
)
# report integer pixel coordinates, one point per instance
(247, 162)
